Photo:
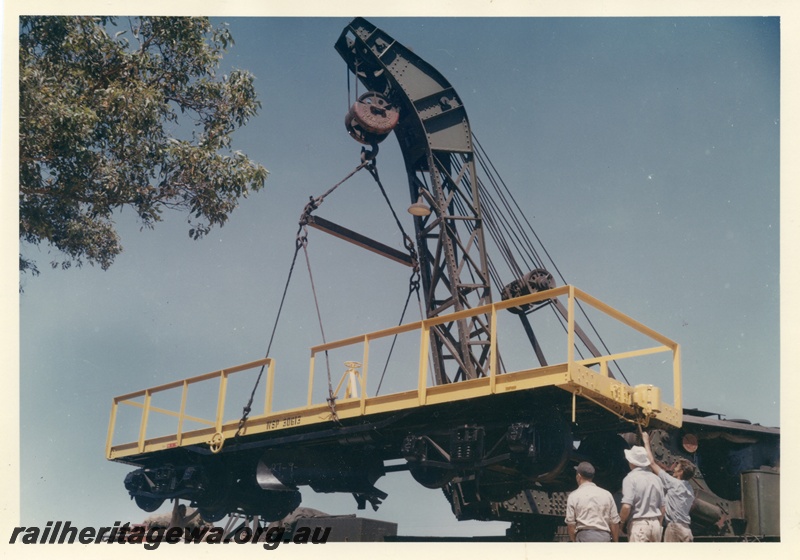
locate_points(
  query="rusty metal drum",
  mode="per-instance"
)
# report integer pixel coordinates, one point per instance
(371, 118)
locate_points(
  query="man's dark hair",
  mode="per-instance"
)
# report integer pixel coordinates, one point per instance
(687, 469)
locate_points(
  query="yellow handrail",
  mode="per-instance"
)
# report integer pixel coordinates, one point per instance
(181, 415)
(423, 392)
(574, 294)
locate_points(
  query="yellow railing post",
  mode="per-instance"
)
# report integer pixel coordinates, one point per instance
(424, 343)
(111, 425)
(493, 364)
(363, 380)
(143, 425)
(184, 392)
(571, 326)
(311, 378)
(223, 387)
(270, 386)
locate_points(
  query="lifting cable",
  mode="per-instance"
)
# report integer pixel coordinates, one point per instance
(247, 407)
(331, 397)
(412, 287)
(347, 79)
(514, 223)
(413, 281)
(407, 241)
(423, 182)
(301, 241)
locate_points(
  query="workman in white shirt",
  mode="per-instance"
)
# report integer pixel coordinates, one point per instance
(642, 498)
(679, 495)
(591, 512)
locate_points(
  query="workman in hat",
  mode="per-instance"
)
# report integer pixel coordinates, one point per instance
(591, 512)
(678, 495)
(642, 498)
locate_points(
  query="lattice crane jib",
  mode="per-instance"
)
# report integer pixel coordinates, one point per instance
(435, 138)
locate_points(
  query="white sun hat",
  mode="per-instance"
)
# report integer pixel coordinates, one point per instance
(637, 456)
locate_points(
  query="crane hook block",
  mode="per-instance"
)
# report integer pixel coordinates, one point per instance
(371, 118)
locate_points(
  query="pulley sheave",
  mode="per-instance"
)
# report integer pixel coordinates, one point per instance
(371, 118)
(537, 280)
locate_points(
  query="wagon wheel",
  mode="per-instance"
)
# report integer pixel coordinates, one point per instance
(148, 504)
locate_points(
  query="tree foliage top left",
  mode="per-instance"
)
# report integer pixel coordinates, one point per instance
(132, 113)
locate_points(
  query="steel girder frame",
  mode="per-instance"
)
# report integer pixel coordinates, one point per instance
(434, 134)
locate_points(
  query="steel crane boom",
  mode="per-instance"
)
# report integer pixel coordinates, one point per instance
(436, 141)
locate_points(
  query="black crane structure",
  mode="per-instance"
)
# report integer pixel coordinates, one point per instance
(436, 141)
(441, 158)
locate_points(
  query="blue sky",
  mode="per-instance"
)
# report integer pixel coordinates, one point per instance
(645, 151)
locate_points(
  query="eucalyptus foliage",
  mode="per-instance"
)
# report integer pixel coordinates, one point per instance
(126, 112)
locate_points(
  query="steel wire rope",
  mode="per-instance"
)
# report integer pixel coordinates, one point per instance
(422, 179)
(451, 230)
(372, 167)
(509, 211)
(509, 224)
(432, 304)
(488, 216)
(488, 167)
(300, 241)
(497, 237)
(331, 397)
(411, 290)
(496, 227)
(499, 282)
(347, 79)
(459, 204)
(496, 276)
(247, 408)
(496, 233)
(320, 198)
(413, 281)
